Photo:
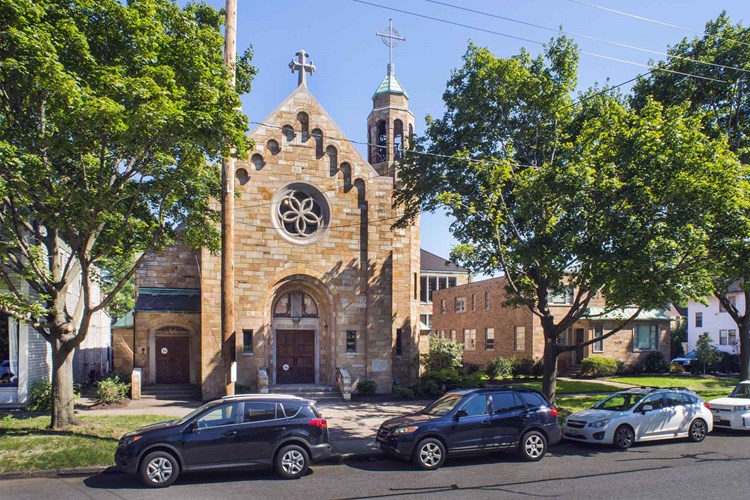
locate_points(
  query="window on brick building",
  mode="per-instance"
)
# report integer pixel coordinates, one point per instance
(247, 341)
(645, 338)
(459, 304)
(423, 289)
(487, 300)
(351, 341)
(489, 339)
(442, 306)
(453, 335)
(598, 346)
(519, 338)
(470, 339)
(442, 283)
(451, 282)
(566, 296)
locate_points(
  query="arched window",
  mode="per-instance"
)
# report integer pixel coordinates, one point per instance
(333, 159)
(304, 123)
(273, 147)
(288, 133)
(172, 330)
(257, 161)
(295, 304)
(398, 139)
(318, 138)
(242, 176)
(381, 141)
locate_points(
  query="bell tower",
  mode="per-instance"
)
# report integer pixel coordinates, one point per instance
(390, 124)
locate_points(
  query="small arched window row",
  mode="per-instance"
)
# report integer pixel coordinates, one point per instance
(296, 304)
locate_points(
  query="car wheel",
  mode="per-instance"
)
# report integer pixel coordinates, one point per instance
(624, 437)
(533, 446)
(159, 469)
(292, 462)
(698, 430)
(429, 454)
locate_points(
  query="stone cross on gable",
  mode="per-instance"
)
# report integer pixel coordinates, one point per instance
(302, 66)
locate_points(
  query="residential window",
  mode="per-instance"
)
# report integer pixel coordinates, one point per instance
(566, 296)
(470, 339)
(723, 337)
(645, 338)
(451, 282)
(487, 300)
(433, 286)
(247, 341)
(699, 319)
(399, 340)
(733, 337)
(441, 334)
(442, 306)
(442, 283)
(423, 289)
(427, 320)
(453, 335)
(9, 351)
(473, 302)
(598, 346)
(732, 300)
(562, 339)
(459, 304)
(489, 339)
(351, 341)
(519, 339)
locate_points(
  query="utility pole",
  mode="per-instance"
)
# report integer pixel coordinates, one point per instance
(228, 344)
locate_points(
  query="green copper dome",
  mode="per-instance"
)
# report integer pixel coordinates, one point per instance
(390, 85)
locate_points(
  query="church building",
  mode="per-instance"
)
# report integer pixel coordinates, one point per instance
(321, 280)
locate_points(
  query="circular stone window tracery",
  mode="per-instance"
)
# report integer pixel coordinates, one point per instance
(301, 213)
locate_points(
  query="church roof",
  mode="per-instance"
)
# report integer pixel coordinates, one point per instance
(431, 262)
(126, 321)
(168, 300)
(390, 85)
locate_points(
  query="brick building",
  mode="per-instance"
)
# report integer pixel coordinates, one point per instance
(321, 279)
(473, 314)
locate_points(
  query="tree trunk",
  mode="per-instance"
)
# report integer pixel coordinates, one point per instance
(549, 381)
(744, 328)
(63, 414)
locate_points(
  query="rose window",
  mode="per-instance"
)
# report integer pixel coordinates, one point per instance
(301, 213)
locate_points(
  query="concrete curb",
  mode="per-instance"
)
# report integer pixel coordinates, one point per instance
(78, 471)
(340, 458)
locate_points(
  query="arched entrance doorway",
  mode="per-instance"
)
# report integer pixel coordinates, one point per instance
(296, 333)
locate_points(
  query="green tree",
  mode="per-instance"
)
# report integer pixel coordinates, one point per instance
(443, 353)
(723, 106)
(562, 197)
(112, 116)
(706, 353)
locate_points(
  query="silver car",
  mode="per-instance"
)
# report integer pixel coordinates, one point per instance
(644, 414)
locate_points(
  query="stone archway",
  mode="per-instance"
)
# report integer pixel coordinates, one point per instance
(296, 338)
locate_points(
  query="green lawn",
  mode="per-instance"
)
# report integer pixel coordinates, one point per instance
(574, 386)
(27, 444)
(694, 383)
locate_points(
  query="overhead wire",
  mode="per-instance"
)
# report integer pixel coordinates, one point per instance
(498, 33)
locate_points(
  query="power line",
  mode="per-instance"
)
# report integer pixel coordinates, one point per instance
(593, 54)
(654, 21)
(579, 35)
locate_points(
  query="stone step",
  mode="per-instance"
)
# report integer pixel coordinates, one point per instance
(308, 391)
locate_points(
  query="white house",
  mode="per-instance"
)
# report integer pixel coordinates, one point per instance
(26, 358)
(712, 318)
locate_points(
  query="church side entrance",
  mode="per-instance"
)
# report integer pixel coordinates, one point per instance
(172, 359)
(295, 356)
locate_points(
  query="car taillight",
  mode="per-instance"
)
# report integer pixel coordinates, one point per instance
(553, 411)
(319, 422)
(707, 405)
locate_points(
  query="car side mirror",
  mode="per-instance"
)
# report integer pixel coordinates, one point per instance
(193, 426)
(646, 408)
(460, 414)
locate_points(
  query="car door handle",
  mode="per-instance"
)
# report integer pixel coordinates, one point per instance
(230, 433)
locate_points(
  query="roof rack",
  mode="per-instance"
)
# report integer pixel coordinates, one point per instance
(263, 396)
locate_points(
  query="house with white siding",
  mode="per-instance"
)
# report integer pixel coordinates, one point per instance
(714, 319)
(26, 357)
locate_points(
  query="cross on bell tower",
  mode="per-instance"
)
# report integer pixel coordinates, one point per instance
(302, 66)
(391, 38)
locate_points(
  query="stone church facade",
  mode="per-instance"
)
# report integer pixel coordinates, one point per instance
(321, 279)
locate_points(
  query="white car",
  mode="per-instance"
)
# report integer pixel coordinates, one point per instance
(644, 414)
(733, 412)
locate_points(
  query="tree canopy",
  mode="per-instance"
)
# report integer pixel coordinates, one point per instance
(112, 117)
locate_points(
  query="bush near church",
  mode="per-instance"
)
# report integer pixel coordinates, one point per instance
(598, 366)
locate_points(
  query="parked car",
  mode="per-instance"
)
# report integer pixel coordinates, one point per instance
(644, 414)
(285, 432)
(473, 421)
(733, 412)
(687, 359)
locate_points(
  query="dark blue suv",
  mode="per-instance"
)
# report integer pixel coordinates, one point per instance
(473, 421)
(237, 431)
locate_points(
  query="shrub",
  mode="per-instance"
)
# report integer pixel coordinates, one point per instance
(629, 368)
(448, 379)
(443, 353)
(429, 388)
(499, 368)
(403, 392)
(469, 368)
(655, 363)
(598, 366)
(538, 367)
(522, 367)
(729, 363)
(676, 369)
(367, 387)
(40, 396)
(111, 390)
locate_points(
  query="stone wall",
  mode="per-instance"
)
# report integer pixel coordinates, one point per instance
(175, 267)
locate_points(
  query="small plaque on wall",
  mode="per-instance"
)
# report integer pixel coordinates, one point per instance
(379, 365)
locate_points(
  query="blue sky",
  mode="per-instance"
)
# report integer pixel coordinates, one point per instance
(351, 61)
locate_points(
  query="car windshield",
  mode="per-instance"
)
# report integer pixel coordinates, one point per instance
(741, 391)
(622, 401)
(194, 413)
(443, 406)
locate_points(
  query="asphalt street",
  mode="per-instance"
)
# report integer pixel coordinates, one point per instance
(717, 468)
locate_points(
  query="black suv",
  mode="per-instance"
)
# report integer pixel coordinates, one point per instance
(473, 421)
(236, 431)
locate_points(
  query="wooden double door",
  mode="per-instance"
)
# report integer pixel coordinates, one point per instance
(295, 356)
(172, 360)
